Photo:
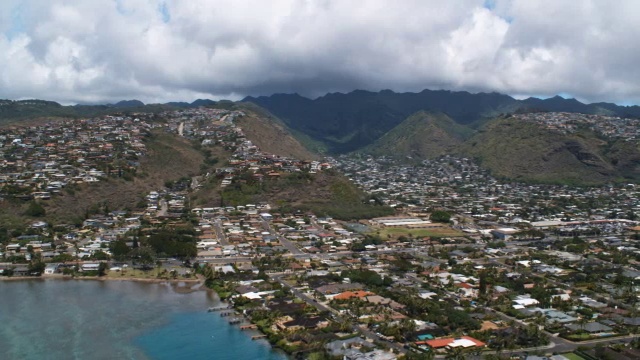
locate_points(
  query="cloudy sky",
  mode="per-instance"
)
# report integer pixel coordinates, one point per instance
(95, 51)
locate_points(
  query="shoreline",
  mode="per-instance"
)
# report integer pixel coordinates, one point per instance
(102, 278)
(189, 284)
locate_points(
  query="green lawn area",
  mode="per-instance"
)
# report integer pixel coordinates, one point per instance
(572, 356)
(433, 232)
(133, 273)
(579, 337)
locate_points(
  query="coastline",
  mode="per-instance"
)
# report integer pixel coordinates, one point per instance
(175, 283)
(102, 278)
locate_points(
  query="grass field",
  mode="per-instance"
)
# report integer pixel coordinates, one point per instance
(572, 356)
(433, 232)
(131, 273)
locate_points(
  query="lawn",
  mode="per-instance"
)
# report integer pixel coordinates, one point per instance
(579, 337)
(432, 232)
(133, 273)
(572, 356)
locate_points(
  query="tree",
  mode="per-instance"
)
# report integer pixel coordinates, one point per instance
(440, 216)
(145, 255)
(100, 255)
(482, 288)
(36, 267)
(119, 248)
(35, 210)
(102, 269)
(62, 258)
(429, 355)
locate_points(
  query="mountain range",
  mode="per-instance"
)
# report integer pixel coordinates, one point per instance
(426, 124)
(348, 122)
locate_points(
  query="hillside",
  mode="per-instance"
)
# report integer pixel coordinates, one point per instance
(326, 193)
(169, 158)
(422, 135)
(21, 110)
(270, 135)
(348, 122)
(342, 123)
(525, 151)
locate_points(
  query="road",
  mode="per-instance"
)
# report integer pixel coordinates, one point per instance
(293, 249)
(227, 260)
(217, 226)
(164, 208)
(223, 260)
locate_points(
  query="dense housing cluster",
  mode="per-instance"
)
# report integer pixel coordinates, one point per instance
(38, 161)
(606, 126)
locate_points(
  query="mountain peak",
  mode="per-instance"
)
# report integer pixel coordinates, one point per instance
(203, 102)
(128, 103)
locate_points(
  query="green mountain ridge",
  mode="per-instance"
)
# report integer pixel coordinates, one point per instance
(527, 152)
(421, 125)
(349, 122)
(514, 149)
(422, 135)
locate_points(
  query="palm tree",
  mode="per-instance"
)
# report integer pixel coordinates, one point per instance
(582, 321)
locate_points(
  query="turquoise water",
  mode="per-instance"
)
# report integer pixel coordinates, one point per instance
(74, 319)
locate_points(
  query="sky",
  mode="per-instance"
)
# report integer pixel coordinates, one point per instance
(100, 51)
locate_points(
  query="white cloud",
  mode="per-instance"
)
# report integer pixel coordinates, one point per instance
(102, 50)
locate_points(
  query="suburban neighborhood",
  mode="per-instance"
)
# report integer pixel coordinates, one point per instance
(465, 265)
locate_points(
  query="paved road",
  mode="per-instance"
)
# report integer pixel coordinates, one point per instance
(227, 260)
(217, 226)
(222, 261)
(293, 249)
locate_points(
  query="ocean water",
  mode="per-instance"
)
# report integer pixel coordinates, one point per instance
(83, 319)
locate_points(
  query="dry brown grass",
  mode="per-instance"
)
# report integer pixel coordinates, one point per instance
(273, 138)
(169, 157)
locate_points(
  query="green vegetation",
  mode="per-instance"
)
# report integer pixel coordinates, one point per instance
(13, 111)
(366, 277)
(180, 244)
(422, 135)
(35, 209)
(572, 356)
(348, 122)
(326, 193)
(524, 151)
(440, 216)
(346, 202)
